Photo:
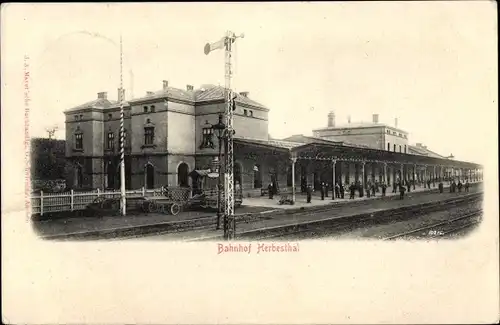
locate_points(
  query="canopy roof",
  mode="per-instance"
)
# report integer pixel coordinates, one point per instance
(342, 152)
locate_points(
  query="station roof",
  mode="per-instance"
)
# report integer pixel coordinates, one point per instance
(360, 125)
(316, 150)
(206, 94)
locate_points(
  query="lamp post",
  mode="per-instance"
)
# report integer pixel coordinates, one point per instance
(219, 129)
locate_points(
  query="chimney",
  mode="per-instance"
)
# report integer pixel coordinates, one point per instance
(189, 88)
(331, 119)
(375, 118)
(149, 93)
(165, 84)
(349, 119)
(122, 93)
(102, 95)
(396, 122)
(244, 93)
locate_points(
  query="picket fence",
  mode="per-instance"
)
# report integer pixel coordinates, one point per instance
(73, 201)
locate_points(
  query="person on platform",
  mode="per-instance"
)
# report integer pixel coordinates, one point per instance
(441, 187)
(452, 187)
(429, 183)
(309, 193)
(337, 190)
(270, 191)
(368, 190)
(459, 186)
(408, 185)
(361, 190)
(326, 189)
(374, 188)
(322, 191)
(466, 186)
(352, 190)
(394, 186)
(342, 190)
(401, 191)
(384, 188)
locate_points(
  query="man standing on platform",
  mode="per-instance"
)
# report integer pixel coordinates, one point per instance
(270, 191)
(401, 191)
(326, 189)
(322, 191)
(384, 187)
(342, 190)
(309, 193)
(337, 190)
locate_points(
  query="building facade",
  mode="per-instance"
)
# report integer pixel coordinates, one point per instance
(374, 135)
(167, 134)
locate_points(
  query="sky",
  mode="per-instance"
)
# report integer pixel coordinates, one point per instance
(432, 65)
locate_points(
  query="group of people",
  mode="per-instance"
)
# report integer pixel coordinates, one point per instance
(454, 186)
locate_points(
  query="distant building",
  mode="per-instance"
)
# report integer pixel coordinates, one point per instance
(168, 132)
(373, 135)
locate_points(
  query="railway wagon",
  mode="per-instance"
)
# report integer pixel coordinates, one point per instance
(206, 190)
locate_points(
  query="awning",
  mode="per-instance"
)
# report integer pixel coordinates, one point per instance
(203, 172)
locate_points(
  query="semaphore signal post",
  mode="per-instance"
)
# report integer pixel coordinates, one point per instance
(229, 222)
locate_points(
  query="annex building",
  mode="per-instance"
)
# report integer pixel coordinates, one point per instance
(168, 135)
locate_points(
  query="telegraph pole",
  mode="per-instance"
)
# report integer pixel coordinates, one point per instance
(123, 201)
(229, 222)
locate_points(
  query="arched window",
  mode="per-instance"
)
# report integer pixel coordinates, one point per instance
(388, 146)
(182, 175)
(257, 176)
(150, 176)
(394, 148)
(78, 176)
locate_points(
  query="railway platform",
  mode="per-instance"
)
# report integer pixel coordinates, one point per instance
(181, 226)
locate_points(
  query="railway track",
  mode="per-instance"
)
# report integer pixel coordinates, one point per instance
(328, 226)
(442, 228)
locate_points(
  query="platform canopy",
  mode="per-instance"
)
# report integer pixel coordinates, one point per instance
(323, 150)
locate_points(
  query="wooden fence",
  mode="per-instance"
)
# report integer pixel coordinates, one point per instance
(72, 201)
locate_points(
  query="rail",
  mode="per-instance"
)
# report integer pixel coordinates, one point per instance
(440, 224)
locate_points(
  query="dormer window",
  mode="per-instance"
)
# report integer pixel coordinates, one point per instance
(245, 112)
(145, 108)
(152, 108)
(148, 121)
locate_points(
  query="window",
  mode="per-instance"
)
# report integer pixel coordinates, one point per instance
(152, 108)
(251, 113)
(110, 116)
(145, 109)
(400, 134)
(111, 141)
(149, 134)
(245, 112)
(399, 148)
(394, 133)
(148, 121)
(207, 141)
(388, 132)
(79, 141)
(405, 148)
(394, 148)
(76, 117)
(388, 146)
(81, 117)
(257, 177)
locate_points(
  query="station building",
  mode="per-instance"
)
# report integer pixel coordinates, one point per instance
(168, 135)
